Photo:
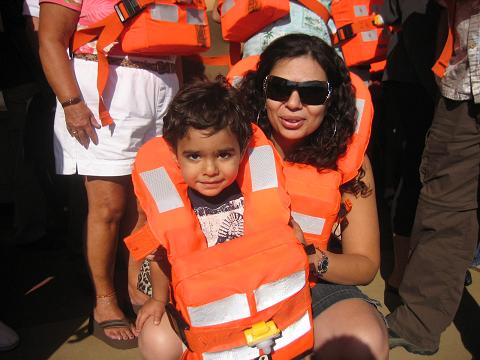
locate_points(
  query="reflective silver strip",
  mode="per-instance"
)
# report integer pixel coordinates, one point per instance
(162, 189)
(241, 353)
(228, 309)
(293, 332)
(227, 5)
(195, 16)
(237, 79)
(309, 224)
(164, 12)
(360, 10)
(262, 168)
(289, 335)
(360, 104)
(272, 293)
(369, 35)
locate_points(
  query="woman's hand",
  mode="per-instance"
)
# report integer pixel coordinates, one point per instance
(152, 308)
(57, 25)
(81, 123)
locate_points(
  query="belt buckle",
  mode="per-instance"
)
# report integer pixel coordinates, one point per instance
(161, 67)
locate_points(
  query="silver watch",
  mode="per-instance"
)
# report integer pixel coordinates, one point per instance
(322, 266)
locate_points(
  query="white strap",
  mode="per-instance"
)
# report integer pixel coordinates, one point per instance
(162, 189)
(262, 168)
(272, 293)
(309, 224)
(228, 309)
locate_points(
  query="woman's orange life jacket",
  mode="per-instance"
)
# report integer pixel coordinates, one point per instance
(315, 195)
(146, 28)
(240, 293)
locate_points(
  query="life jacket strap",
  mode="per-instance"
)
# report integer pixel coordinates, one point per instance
(349, 31)
(126, 9)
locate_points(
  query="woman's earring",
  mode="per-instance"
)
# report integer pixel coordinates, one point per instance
(334, 129)
(257, 121)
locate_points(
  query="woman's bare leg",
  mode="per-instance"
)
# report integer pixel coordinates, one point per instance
(107, 199)
(350, 329)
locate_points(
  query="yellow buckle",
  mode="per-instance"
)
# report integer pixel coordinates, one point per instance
(261, 331)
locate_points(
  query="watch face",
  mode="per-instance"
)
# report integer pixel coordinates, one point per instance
(323, 264)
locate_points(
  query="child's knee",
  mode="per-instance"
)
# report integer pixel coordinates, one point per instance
(159, 342)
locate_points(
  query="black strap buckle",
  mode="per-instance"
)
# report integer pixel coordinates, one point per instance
(132, 8)
(345, 32)
(309, 249)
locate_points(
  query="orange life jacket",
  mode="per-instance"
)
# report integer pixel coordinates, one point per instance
(146, 27)
(444, 59)
(245, 291)
(316, 195)
(360, 31)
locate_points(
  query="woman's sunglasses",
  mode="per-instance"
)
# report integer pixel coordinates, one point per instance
(311, 92)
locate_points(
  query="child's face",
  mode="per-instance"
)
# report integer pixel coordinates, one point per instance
(209, 162)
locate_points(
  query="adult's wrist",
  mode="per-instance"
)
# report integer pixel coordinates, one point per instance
(71, 101)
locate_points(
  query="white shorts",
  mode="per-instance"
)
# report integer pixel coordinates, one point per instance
(31, 8)
(137, 100)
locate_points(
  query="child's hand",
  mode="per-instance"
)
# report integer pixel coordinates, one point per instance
(152, 308)
(297, 230)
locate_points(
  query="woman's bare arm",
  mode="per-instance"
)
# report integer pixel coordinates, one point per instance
(360, 259)
(57, 25)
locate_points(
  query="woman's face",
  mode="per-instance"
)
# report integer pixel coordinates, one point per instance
(291, 120)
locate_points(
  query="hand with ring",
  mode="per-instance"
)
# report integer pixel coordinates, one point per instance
(81, 123)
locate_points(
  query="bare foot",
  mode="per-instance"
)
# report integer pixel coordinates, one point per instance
(107, 309)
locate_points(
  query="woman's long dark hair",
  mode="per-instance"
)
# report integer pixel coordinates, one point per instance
(329, 142)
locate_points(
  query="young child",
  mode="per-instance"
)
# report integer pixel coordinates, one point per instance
(208, 145)
(210, 162)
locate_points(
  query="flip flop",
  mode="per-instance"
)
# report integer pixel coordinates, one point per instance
(97, 329)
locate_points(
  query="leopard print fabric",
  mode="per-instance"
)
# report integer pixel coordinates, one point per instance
(143, 282)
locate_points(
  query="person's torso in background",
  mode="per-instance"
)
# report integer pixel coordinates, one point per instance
(301, 20)
(462, 76)
(92, 11)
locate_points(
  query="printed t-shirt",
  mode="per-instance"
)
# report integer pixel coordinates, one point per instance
(221, 216)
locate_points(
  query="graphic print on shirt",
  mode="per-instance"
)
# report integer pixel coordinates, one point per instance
(222, 223)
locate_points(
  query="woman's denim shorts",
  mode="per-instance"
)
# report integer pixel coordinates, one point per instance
(325, 294)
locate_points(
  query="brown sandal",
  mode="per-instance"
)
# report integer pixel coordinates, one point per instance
(97, 329)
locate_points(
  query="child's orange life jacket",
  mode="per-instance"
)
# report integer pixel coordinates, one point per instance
(147, 28)
(241, 293)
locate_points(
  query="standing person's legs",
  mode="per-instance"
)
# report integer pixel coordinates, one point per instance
(445, 231)
(415, 119)
(107, 199)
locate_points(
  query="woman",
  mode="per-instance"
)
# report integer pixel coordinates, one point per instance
(346, 324)
(103, 155)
